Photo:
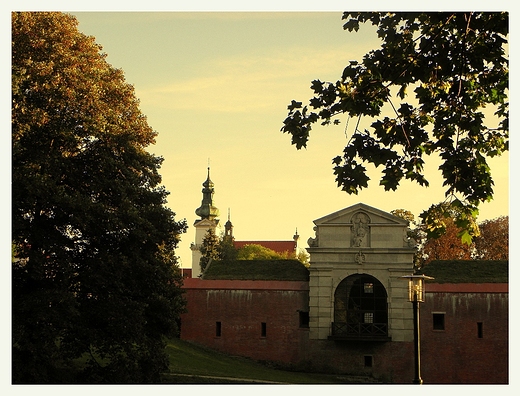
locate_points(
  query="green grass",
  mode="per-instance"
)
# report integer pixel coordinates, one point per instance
(194, 364)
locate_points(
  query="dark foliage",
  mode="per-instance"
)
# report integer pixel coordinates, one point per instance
(95, 284)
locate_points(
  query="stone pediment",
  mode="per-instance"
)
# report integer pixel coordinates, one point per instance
(359, 226)
(360, 213)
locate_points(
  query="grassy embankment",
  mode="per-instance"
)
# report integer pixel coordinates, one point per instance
(193, 364)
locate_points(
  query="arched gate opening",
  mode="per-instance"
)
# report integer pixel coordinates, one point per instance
(360, 309)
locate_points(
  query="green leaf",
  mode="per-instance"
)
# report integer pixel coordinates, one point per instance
(351, 25)
(466, 237)
(294, 105)
(317, 86)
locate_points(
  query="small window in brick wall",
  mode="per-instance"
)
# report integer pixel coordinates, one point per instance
(304, 319)
(264, 329)
(480, 333)
(218, 329)
(368, 361)
(438, 321)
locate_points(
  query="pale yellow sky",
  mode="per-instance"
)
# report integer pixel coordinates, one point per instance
(216, 85)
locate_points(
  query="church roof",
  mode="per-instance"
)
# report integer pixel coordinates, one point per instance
(277, 246)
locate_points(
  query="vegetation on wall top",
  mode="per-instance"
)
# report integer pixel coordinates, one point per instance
(467, 271)
(282, 270)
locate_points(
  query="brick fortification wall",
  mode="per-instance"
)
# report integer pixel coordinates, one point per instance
(258, 319)
(461, 354)
(242, 306)
(390, 362)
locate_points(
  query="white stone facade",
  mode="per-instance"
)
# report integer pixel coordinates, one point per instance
(360, 240)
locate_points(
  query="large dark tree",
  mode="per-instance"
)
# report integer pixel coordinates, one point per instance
(455, 64)
(95, 284)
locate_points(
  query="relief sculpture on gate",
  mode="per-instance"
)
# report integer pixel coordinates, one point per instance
(360, 230)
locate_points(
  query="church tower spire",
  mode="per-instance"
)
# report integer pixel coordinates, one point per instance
(207, 210)
(208, 214)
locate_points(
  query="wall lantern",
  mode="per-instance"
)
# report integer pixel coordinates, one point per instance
(415, 296)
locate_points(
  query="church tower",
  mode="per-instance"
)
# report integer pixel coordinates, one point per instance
(228, 228)
(208, 214)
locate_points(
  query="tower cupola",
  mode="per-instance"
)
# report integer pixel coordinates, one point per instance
(207, 210)
(228, 227)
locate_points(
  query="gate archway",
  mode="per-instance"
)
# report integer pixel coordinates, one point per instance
(360, 309)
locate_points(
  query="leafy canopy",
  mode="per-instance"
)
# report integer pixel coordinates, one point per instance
(493, 241)
(95, 278)
(223, 248)
(491, 244)
(254, 251)
(446, 247)
(434, 73)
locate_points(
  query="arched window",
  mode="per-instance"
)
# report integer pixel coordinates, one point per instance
(360, 309)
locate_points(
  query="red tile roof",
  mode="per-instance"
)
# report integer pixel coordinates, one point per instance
(277, 246)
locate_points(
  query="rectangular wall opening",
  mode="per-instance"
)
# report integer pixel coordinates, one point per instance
(368, 361)
(438, 321)
(480, 333)
(264, 330)
(218, 329)
(304, 319)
